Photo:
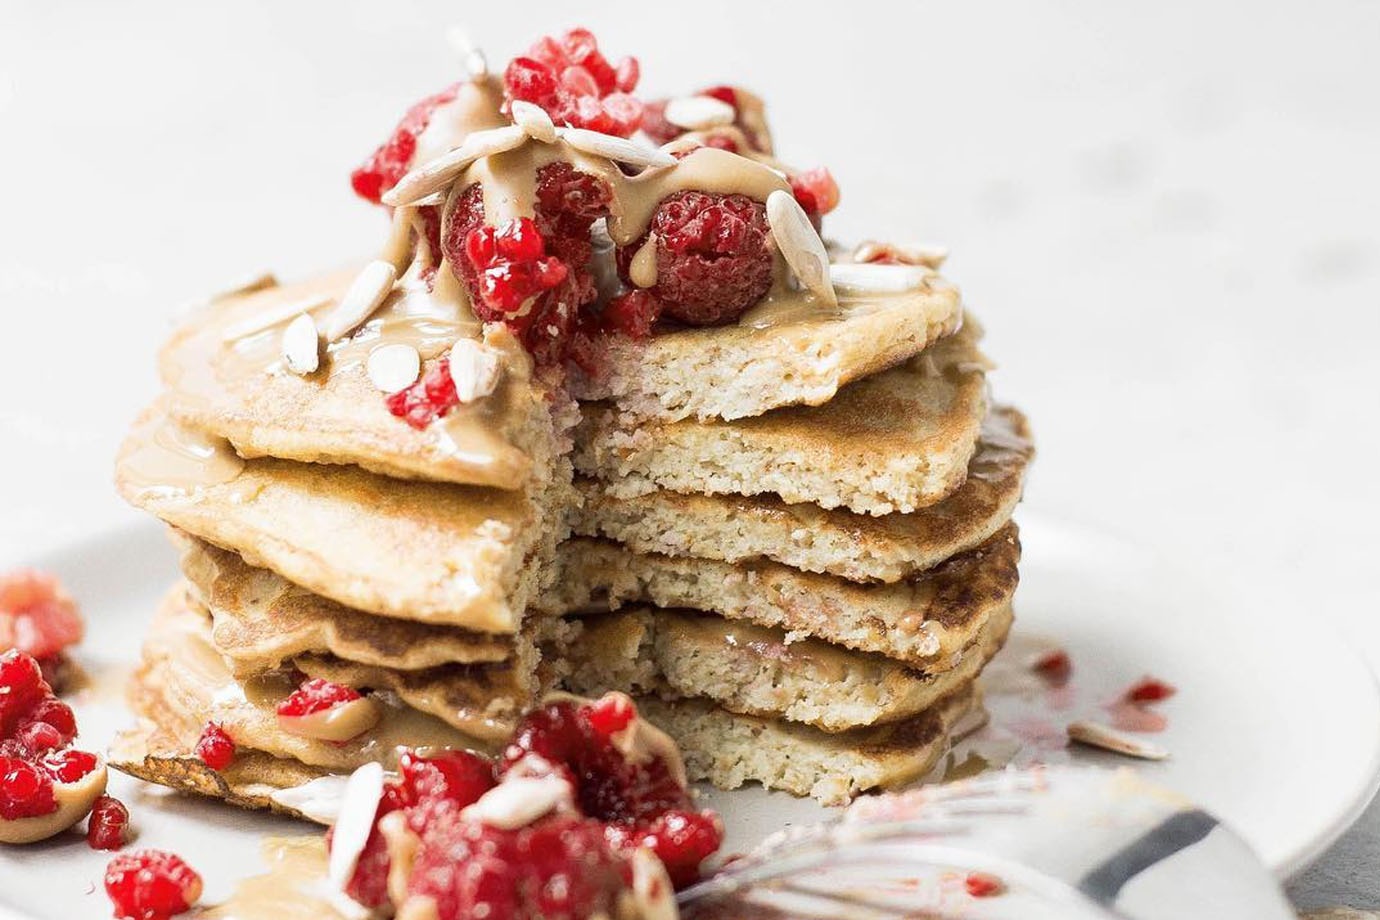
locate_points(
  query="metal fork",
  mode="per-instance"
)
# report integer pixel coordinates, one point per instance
(1056, 842)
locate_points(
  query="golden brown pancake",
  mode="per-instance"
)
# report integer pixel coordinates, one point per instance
(753, 670)
(431, 552)
(922, 621)
(737, 371)
(236, 387)
(858, 547)
(892, 442)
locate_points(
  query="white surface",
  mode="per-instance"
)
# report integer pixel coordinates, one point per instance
(1244, 744)
(1165, 214)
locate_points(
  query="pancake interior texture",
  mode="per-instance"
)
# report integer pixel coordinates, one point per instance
(892, 442)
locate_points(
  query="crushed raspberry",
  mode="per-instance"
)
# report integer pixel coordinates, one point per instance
(713, 256)
(70, 766)
(37, 616)
(983, 885)
(21, 688)
(316, 695)
(109, 821)
(561, 865)
(816, 191)
(538, 293)
(25, 790)
(1149, 690)
(572, 80)
(431, 397)
(391, 161)
(32, 720)
(632, 314)
(1053, 665)
(215, 747)
(151, 885)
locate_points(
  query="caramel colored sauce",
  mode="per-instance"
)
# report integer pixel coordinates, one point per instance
(295, 887)
(166, 458)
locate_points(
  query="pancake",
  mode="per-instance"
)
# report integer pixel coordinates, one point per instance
(729, 750)
(923, 621)
(753, 670)
(182, 684)
(892, 442)
(236, 388)
(858, 547)
(260, 620)
(737, 371)
(425, 551)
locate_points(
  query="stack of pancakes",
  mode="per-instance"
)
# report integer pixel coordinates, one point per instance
(802, 595)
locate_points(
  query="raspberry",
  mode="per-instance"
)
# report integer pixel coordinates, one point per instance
(57, 715)
(713, 256)
(456, 776)
(428, 399)
(816, 191)
(215, 747)
(572, 80)
(391, 160)
(610, 715)
(681, 840)
(632, 314)
(1149, 690)
(151, 885)
(316, 695)
(70, 766)
(105, 829)
(1054, 665)
(25, 790)
(22, 687)
(36, 615)
(506, 272)
(983, 885)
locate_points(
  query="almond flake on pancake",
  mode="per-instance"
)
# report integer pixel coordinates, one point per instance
(614, 148)
(366, 294)
(696, 113)
(877, 278)
(1107, 738)
(800, 245)
(394, 367)
(534, 121)
(302, 345)
(474, 370)
(355, 822)
(436, 174)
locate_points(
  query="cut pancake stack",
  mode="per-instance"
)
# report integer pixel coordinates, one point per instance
(788, 536)
(804, 597)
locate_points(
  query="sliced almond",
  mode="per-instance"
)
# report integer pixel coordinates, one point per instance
(878, 278)
(394, 367)
(436, 174)
(474, 370)
(614, 148)
(1107, 738)
(928, 256)
(366, 294)
(355, 823)
(534, 120)
(653, 893)
(698, 113)
(302, 346)
(267, 319)
(800, 245)
(519, 800)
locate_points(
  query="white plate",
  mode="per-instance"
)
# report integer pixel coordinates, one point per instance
(1275, 729)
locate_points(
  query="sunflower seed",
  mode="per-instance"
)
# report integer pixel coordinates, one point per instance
(615, 148)
(1107, 738)
(358, 806)
(474, 370)
(436, 174)
(696, 113)
(875, 278)
(394, 367)
(800, 245)
(272, 317)
(366, 293)
(302, 346)
(534, 120)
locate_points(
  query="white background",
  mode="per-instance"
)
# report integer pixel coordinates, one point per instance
(1166, 215)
